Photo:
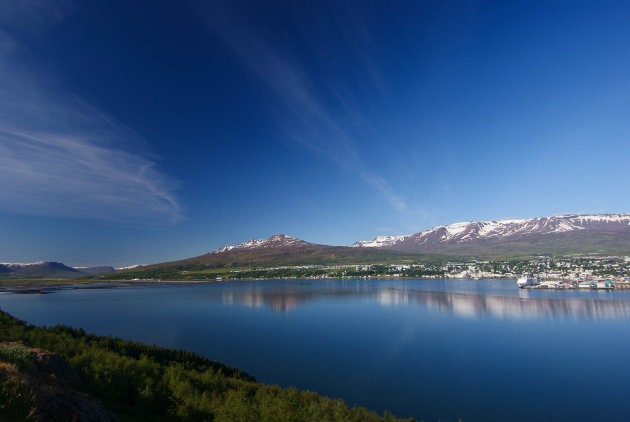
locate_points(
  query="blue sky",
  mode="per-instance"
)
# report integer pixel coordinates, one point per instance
(139, 132)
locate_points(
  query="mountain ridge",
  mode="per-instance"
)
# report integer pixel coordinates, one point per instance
(275, 241)
(48, 269)
(611, 229)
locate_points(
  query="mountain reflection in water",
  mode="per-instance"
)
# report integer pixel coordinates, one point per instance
(461, 304)
(479, 350)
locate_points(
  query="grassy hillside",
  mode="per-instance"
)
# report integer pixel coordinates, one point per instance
(210, 265)
(299, 256)
(139, 382)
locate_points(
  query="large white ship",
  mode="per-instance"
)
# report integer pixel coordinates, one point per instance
(526, 280)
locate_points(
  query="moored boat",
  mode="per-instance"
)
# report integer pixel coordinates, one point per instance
(526, 280)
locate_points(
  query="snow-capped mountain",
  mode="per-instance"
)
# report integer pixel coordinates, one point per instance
(614, 227)
(35, 266)
(38, 269)
(275, 241)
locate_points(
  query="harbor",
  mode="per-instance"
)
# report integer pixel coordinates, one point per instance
(527, 281)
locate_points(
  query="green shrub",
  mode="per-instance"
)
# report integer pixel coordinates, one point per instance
(141, 382)
(19, 355)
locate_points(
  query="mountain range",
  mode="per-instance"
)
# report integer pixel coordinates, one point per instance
(548, 235)
(565, 234)
(545, 235)
(48, 270)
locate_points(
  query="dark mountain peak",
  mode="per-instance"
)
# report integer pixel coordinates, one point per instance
(283, 240)
(275, 241)
(39, 269)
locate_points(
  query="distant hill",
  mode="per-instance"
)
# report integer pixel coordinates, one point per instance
(98, 269)
(286, 250)
(39, 270)
(48, 270)
(606, 233)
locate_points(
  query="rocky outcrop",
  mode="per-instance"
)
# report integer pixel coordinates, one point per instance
(51, 385)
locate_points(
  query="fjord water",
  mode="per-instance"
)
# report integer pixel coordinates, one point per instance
(435, 349)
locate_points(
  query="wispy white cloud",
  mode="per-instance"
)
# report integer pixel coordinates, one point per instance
(59, 156)
(311, 124)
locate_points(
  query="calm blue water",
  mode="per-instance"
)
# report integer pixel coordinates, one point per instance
(471, 349)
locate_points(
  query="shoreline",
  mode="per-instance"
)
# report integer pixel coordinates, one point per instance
(47, 286)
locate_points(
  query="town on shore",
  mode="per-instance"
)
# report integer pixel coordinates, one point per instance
(578, 271)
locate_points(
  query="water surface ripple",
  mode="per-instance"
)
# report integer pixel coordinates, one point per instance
(471, 349)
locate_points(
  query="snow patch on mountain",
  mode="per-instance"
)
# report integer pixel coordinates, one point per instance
(379, 241)
(130, 267)
(250, 244)
(455, 229)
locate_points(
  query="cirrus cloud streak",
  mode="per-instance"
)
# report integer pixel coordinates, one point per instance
(60, 156)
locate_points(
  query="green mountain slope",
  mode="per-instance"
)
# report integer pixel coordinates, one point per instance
(222, 263)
